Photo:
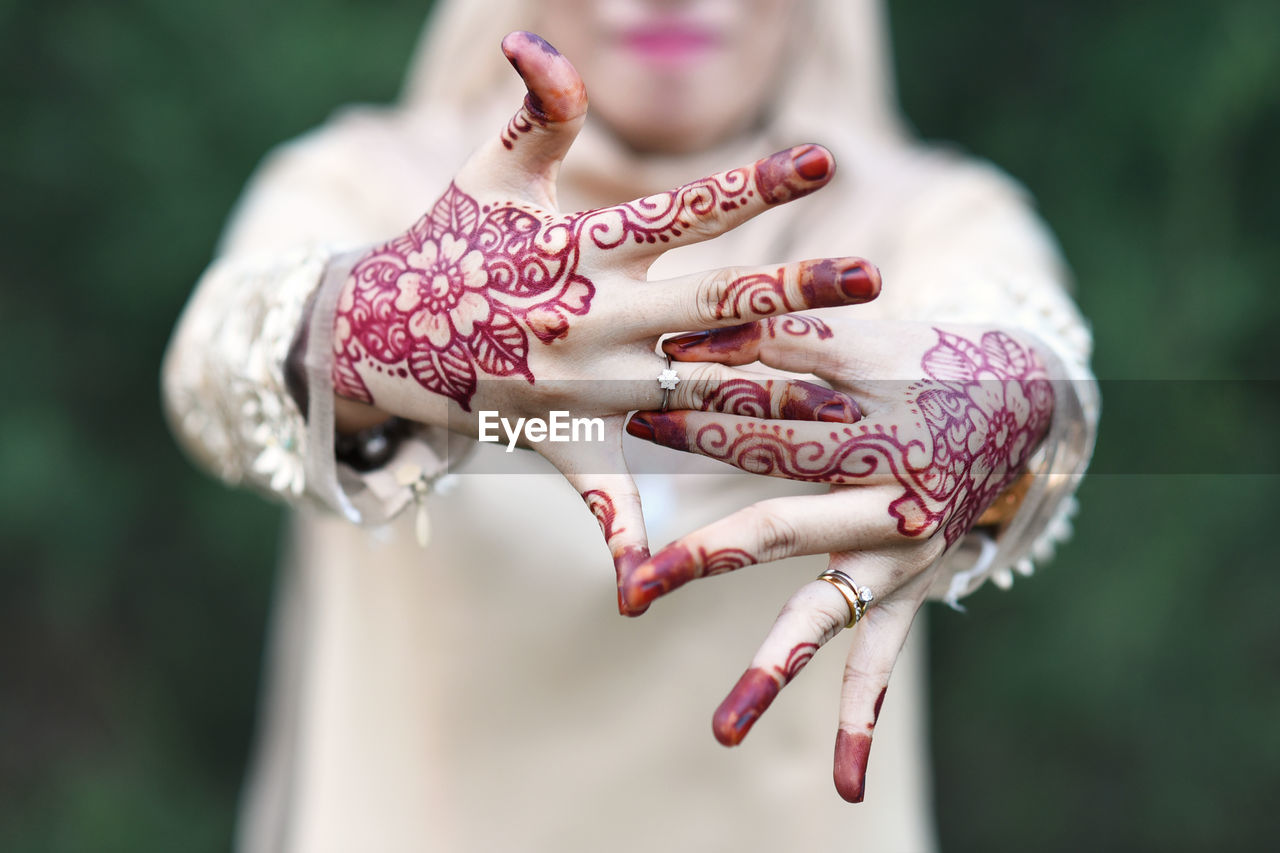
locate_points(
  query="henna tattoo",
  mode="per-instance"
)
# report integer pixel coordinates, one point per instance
(674, 566)
(875, 714)
(459, 293)
(520, 123)
(754, 693)
(821, 283)
(984, 406)
(850, 768)
(796, 659)
(799, 400)
(797, 326)
(535, 111)
(739, 397)
(744, 338)
(601, 506)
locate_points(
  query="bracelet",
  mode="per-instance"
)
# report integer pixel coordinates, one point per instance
(372, 447)
(1007, 503)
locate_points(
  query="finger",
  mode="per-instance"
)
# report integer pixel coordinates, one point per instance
(879, 638)
(731, 295)
(714, 388)
(597, 470)
(875, 450)
(844, 520)
(793, 342)
(811, 617)
(645, 383)
(547, 122)
(706, 208)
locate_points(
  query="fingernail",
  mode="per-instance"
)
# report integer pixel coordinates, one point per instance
(680, 342)
(812, 164)
(625, 562)
(837, 412)
(749, 698)
(860, 282)
(850, 771)
(640, 427)
(671, 567)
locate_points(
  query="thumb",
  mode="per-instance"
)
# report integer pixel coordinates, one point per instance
(554, 109)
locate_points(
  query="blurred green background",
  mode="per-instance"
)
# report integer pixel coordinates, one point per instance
(1127, 698)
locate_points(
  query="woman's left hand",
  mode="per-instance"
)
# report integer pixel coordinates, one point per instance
(939, 441)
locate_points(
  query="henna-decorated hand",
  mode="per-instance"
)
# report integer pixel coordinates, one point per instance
(495, 283)
(907, 481)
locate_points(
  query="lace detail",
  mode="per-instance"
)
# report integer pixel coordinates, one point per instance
(224, 382)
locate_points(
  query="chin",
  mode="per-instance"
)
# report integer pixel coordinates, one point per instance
(666, 133)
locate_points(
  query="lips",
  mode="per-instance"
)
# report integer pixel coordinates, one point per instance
(668, 42)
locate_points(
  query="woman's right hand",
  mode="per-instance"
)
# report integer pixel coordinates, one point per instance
(552, 310)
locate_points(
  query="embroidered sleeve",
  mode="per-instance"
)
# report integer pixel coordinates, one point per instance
(993, 260)
(286, 249)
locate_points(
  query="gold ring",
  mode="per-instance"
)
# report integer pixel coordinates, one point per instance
(858, 598)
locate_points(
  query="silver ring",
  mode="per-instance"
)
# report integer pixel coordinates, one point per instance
(667, 381)
(858, 598)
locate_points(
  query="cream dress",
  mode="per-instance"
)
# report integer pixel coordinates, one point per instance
(482, 693)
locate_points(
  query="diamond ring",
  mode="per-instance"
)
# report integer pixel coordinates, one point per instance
(667, 381)
(858, 598)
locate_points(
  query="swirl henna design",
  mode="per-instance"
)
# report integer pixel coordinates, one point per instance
(754, 693)
(983, 408)
(797, 326)
(798, 401)
(821, 283)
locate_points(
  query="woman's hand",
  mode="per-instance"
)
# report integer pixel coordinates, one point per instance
(932, 451)
(495, 301)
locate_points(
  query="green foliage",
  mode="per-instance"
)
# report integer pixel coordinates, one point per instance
(1123, 699)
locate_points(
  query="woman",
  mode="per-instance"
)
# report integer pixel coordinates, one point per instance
(477, 693)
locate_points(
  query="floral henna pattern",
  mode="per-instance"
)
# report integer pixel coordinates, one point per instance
(458, 294)
(754, 693)
(984, 408)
